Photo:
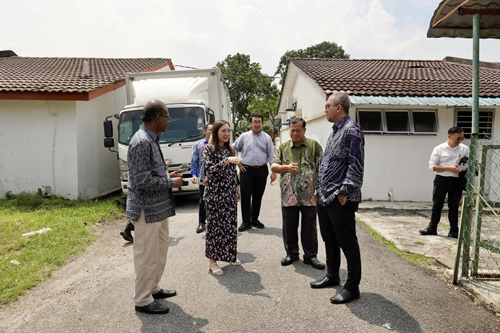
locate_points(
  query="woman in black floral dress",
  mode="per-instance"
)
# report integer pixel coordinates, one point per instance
(221, 198)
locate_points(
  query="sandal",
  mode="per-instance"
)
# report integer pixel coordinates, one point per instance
(236, 263)
(217, 271)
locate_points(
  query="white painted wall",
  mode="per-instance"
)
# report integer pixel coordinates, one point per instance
(310, 102)
(98, 168)
(38, 147)
(392, 162)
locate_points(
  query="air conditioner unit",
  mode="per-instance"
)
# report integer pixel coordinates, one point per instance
(290, 104)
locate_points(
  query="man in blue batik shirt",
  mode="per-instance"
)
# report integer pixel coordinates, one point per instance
(338, 193)
(198, 176)
(149, 204)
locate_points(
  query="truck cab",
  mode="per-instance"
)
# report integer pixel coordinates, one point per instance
(194, 99)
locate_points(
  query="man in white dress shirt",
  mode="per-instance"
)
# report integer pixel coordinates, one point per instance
(444, 161)
(256, 149)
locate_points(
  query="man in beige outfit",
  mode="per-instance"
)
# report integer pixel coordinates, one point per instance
(149, 204)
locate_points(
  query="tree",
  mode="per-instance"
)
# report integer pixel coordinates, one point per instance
(245, 82)
(266, 106)
(322, 50)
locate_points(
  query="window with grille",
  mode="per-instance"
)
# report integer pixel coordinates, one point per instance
(464, 120)
(398, 121)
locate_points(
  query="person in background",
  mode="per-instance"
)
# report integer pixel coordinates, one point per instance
(338, 192)
(221, 198)
(257, 151)
(444, 161)
(149, 204)
(298, 162)
(197, 173)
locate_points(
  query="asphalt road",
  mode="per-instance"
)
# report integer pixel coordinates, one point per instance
(93, 292)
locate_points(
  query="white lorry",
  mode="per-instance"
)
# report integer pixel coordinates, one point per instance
(194, 98)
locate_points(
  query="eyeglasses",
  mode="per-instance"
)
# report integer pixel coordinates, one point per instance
(460, 138)
(327, 105)
(257, 122)
(168, 117)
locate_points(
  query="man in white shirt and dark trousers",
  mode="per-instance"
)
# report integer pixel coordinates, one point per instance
(256, 149)
(444, 161)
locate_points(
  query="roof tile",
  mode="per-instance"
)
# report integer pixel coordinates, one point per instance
(65, 74)
(399, 77)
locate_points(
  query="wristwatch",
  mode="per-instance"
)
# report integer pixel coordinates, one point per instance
(343, 193)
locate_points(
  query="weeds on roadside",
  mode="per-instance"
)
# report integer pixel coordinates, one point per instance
(414, 258)
(38, 255)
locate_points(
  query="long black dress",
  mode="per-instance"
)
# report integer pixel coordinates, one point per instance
(221, 202)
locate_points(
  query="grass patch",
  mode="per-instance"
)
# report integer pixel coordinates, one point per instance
(419, 243)
(71, 222)
(414, 258)
(490, 247)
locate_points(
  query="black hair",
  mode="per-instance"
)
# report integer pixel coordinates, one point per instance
(256, 115)
(455, 129)
(296, 120)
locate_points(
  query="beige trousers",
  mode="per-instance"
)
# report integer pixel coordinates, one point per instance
(150, 257)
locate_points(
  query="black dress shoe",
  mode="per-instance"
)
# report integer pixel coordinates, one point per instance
(314, 262)
(153, 308)
(453, 234)
(327, 281)
(165, 294)
(245, 227)
(201, 228)
(344, 296)
(428, 231)
(258, 224)
(289, 259)
(127, 232)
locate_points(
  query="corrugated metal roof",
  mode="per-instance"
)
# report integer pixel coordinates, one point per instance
(460, 25)
(424, 101)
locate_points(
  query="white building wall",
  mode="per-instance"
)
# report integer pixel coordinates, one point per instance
(38, 147)
(98, 168)
(400, 163)
(393, 163)
(310, 102)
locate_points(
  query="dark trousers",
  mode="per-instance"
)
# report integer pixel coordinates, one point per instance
(338, 230)
(252, 187)
(308, 230)
(202, 213)
(443, 186)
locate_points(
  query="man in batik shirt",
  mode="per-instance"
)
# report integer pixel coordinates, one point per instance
(298, 162)
(198, 174)
(339, 192)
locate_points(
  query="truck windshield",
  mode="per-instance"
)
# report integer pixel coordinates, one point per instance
(185, 122)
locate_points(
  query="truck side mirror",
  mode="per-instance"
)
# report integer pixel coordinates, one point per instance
(108, 129)
(109, 142)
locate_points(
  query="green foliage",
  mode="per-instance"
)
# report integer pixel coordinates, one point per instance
(414, 258)
(38, 255)
(323, 50)
(246, 83)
